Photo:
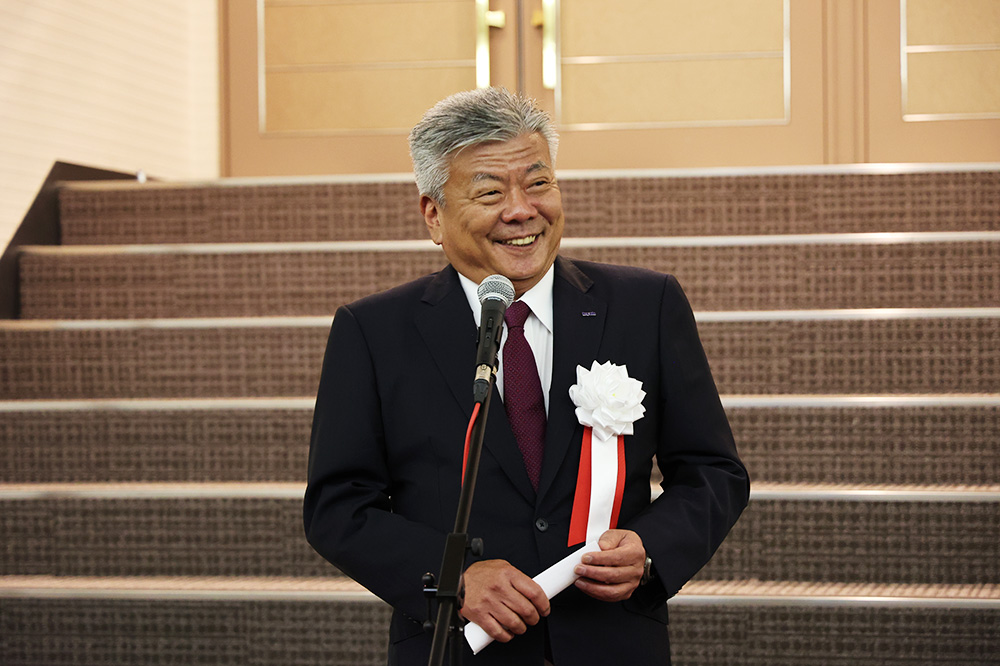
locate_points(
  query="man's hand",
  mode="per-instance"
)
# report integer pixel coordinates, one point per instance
(502, 600)
(613, 573)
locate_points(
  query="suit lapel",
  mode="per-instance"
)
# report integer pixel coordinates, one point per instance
(578, 327)
(448, 330)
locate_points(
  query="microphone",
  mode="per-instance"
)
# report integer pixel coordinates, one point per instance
(496, 293)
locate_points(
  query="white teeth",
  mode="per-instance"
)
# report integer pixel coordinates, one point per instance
(527, 240)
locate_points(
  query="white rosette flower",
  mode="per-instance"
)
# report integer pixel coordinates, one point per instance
(607, 399)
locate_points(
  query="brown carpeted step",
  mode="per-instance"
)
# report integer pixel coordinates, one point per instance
(768, 353)
(793, 624)
(864, 271)
(948, 440)
(873, 535)
(840, 535)
(820, 355)
(311, 623)
(74, 283)
(252, 358)
(90, 441)
(854, 441)
(241, 211)
(624, 204)
(123, 531)
(58, 622)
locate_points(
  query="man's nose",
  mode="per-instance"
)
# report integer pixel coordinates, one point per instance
(518, 207)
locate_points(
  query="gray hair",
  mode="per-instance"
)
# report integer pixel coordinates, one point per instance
(466, 119)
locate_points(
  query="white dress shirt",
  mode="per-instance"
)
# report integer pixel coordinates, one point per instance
(537, 328)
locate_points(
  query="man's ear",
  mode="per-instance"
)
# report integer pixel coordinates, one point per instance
(432, 216)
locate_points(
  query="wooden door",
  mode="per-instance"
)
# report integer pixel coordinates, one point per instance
(673, 83)
(934, 92)
(333, 86)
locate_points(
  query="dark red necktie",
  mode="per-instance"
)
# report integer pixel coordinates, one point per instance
(522, 392)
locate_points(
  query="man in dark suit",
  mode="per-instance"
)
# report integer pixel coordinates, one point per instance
(395, 400)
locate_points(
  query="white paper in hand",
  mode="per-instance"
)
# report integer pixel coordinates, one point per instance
(553, 580)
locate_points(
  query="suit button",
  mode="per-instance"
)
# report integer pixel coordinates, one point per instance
(541, 525)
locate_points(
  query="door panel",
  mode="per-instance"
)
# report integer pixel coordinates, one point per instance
(327, 67)
(370, 32)
(677, 27)
(706, 92)
(333, 86)
(669, 83)
(315, 101)
(933, 94)
(671, 62)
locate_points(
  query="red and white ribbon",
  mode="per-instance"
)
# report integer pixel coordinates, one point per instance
(600, 484)
(608, 402)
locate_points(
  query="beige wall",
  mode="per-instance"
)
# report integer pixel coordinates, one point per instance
(117, 84)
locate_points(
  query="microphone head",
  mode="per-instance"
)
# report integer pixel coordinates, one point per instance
(498, 288)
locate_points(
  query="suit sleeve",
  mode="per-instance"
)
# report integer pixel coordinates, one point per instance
(705, 485)
(348, 502)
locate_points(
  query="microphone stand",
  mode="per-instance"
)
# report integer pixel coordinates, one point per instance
(449, 592)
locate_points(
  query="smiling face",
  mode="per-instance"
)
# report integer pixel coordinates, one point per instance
(503, 212)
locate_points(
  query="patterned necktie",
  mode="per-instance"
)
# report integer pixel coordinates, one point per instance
(522, 392)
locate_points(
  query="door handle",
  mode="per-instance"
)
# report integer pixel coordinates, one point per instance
(485, 19)
(547, 19)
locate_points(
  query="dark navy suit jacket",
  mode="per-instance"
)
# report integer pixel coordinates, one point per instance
(385, 462)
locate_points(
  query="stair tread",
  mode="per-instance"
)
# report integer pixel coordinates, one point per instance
(324, 321)
(569, 241)
(181, 583)
(286, 490)
(944, 440)
(10, 585)
(247, 279)
(619, 202)
(834, 356)
(787, 589)
(759, 401)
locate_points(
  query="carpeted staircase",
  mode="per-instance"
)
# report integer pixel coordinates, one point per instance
(156, 397)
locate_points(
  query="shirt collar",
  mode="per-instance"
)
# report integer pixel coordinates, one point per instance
(538, 298)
